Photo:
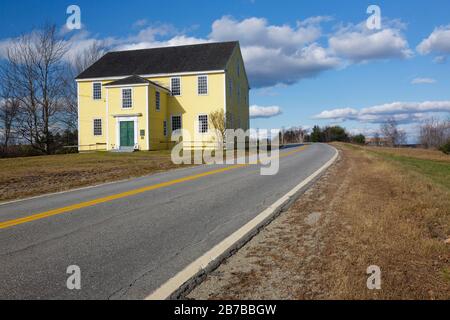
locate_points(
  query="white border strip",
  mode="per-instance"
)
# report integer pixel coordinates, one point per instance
(231, 242)
(153, 75)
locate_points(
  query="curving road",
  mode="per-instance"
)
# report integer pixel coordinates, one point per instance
(129, 237)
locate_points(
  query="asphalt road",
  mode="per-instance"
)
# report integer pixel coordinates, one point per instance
(128, 246)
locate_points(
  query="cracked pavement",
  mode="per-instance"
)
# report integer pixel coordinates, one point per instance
(128, 247)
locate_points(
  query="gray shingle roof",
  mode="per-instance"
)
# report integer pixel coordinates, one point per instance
(190, 58)
(134, 79)
(128, 80)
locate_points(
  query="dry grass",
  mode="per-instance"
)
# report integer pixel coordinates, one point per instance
(365, 211)
(24, 177)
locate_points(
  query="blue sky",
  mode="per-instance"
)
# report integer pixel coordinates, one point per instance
(303, 57)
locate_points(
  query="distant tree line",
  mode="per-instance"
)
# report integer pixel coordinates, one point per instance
(435, 134)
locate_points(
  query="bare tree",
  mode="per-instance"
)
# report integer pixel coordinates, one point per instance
(220, 121)
(9, 109)
(294, 135)
(394, 137)
(88, 56)
(37, 70)
(434, 133)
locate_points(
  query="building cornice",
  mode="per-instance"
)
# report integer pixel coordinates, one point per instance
(155, 75)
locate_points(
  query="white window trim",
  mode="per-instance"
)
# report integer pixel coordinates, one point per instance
(93, 127)
(207, 85)
(181, 91)
(136, 130)
(132, 99)
(198, 123)
(157, 108)
(181, 121)
(101, 91)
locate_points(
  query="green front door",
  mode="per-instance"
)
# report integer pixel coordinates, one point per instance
(126, 133)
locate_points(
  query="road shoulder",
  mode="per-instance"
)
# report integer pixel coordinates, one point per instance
(363, 211)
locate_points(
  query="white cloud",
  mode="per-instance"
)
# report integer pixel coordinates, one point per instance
(264, 112)
(405, 112)
(440, 59)
(344, 113)
(368, 132)
(359, 44)
(274, 54)
(140, 23)
(267, 67)
(437, 42)
(277, 54)
(175, 41)
(423, 81)
(257, 32)
(4, 45)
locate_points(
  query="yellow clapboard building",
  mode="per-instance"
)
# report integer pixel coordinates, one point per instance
(134, 100)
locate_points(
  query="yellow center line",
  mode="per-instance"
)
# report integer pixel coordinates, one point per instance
(46, 214)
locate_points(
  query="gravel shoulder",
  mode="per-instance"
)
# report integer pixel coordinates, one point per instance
(365, 210)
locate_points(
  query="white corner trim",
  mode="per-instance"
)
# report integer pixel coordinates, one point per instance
(227, 245)
(147, 114)
(225, 98)
(107, 120)
(78, 116)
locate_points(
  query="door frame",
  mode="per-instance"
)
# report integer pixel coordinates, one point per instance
(136, 131)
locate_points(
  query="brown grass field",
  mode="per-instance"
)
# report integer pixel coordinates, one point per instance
(25, 177)
(382, 207)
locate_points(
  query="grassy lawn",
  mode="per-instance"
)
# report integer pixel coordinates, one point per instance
(430, 163)
(24, 177)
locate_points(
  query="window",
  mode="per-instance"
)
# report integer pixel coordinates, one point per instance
(165, 128)
(96, 90)
(97, 127)
(202, 85)
(158, 100)
(127, 100)
(175, 86)
(176, 123)
(230, 121)
(203, 123)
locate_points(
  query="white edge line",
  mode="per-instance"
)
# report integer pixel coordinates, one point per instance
(172, 285)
